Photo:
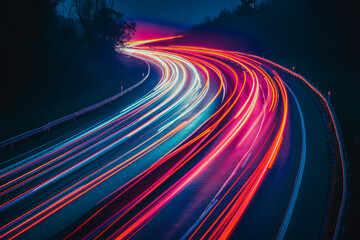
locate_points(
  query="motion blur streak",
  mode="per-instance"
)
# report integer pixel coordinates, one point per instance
(215, 119)
(135, 43)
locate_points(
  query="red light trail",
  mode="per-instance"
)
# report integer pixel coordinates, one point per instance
(215, 115)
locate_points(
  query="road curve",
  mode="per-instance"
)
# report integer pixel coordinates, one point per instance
(221, 140)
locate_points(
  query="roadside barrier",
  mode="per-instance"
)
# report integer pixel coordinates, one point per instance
(340, 222)
(11, 141)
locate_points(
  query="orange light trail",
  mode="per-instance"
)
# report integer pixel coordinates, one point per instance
(142, 42)
(213, 114)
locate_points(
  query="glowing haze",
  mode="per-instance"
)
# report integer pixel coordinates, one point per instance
(148, 30)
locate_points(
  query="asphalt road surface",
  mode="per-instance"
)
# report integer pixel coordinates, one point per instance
(214, 145)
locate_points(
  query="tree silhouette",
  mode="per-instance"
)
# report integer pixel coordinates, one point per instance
(248, 2)
(99, 19)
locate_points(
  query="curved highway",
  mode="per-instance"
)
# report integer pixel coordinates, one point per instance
(223, 146)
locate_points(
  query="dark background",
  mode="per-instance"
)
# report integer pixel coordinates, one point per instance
(49, 65)
(320, 39)
(52, 66)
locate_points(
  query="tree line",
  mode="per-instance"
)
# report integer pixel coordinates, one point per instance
(48, 48)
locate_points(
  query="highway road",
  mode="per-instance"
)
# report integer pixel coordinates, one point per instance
(222, 145)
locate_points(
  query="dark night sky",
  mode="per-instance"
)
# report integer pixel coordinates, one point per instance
(181, 14)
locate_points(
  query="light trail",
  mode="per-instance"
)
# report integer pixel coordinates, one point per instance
(215, 115)
(141, 42)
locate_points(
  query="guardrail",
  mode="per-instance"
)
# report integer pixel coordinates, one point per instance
(71, 116)
(337, 133)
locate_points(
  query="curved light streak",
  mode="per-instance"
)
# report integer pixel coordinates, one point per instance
(209, 108)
